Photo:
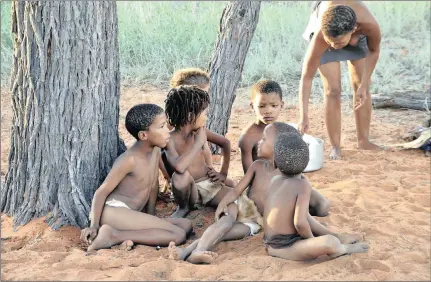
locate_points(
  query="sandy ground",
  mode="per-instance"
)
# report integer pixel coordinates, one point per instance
(385, 195)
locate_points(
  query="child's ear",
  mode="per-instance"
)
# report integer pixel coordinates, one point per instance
(251, 105)
(142, 135)
(282, 103)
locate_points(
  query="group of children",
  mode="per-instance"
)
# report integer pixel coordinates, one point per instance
(273, 194)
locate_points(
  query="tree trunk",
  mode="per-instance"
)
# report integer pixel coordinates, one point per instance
(237, 26)
(65, 97)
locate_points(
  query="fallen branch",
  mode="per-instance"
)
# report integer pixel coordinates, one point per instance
(409, 100)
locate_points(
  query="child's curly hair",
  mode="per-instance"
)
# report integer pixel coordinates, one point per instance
(190, 76)
(184, 104)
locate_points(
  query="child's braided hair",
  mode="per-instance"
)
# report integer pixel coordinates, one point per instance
(184, 104)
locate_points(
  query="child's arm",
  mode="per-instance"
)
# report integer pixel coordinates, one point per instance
(163, 170)
(122, 166)
(300, 219)
(233, 194)
(224, 144)
(208, 155)
(181, 163)
(246, 147)
(151, 205)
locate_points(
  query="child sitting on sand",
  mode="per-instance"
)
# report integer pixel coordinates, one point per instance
(200, 79)
(289, 229)
(239, 213)
(194, 182)
(124, 205)
(267, 101)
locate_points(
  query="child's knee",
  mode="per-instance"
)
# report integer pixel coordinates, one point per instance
(227, 224)
(180, 237)
(188, 225)
(323, 207)
(181, 181)
(330, 242)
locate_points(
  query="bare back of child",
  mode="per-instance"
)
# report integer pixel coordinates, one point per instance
(290, 232)
(124, 205)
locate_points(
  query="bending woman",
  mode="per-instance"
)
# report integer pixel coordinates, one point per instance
(340, 31)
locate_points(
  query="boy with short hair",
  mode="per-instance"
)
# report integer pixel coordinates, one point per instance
(124, 205)
(193, 182)
(267, 102)
(289, 229)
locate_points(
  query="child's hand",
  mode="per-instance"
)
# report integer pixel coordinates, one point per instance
(88, 234)
(221, 211)
(201, 136)
(216, 176)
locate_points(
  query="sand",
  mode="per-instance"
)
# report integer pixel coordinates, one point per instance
(385, 195)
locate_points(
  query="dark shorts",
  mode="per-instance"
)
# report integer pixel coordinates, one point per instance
(348, 53)
(281, 241)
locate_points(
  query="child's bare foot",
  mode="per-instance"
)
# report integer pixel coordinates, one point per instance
(103, 239)
(335, 153)
(357, 248)
(367, 145)
(351, 249)
(176, 253)
(127, 245)
(180, 213)
(350, 238)
(198, 257)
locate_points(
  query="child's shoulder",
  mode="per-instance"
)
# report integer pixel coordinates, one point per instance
(251, 128)
(250, 134)
(300, 185)
(260, 165)
(126, 159)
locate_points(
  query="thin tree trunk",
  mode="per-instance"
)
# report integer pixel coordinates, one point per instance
(237, 26)
(65, 98)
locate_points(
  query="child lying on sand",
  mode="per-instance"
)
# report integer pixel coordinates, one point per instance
(124, 205)
(289, 229)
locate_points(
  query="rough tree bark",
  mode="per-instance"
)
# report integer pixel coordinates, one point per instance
(237, 25)
(409, 100)
(65, 97)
